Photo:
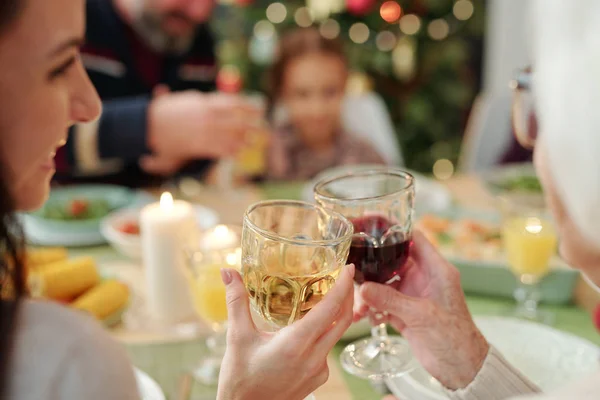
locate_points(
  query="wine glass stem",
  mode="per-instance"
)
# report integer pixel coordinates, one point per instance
(528, 296)
(379, 331)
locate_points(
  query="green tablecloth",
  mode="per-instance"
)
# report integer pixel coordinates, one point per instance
(166, 362)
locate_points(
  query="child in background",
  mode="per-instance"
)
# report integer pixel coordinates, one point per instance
(309, 80)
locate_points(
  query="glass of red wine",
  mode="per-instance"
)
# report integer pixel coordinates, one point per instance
(380, 205)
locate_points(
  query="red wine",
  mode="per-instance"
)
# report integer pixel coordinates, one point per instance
(378, 255)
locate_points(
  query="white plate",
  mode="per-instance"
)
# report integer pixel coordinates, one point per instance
(148, 388)
(550, 358)
(431, 196)
(130, 245)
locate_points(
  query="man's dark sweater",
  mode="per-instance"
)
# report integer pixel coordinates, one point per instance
(125, 71)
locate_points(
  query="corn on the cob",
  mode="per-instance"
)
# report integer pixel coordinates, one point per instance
(104, 299)
(37, 257)
(64, 280)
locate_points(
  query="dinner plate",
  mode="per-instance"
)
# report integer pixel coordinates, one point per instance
(431, 196)
(548, 357)
(43, 231)
(51, 232)
(148, 388)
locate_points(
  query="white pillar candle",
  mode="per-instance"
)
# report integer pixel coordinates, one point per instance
(165, 229)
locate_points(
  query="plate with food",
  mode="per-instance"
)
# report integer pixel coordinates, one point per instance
(122, 228)
(76, 283)
(473, 242)
(517, 180)
(72, 215)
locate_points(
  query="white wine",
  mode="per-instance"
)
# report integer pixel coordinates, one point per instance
(284, 286)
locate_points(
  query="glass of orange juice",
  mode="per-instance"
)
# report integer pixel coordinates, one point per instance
(208, 294)
(530, 242)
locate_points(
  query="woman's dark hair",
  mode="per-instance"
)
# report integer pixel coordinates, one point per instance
(12, 279)
(297, 43)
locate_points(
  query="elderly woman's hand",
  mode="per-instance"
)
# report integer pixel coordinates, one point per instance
(291, 363)
(430, 311)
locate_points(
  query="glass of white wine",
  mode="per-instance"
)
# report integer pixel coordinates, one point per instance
(292, 253)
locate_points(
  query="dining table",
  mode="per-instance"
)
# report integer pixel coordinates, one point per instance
(168, 360)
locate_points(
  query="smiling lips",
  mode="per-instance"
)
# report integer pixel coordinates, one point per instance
(50, 164)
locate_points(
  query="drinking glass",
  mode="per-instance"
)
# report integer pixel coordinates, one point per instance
(292, 253)
(208, 294)
(530, 241)
(380, 204)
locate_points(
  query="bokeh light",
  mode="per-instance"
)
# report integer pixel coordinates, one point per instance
(463, 10)
(330, 29)
(276, 13)
(303, 17)
(443, 169)
(359, 33)
(410, 24)
(386, 41)
(438, 29)
(390, 11)
(264, 30)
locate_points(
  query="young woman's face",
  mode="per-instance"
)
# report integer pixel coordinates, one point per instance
(313, 92)
(44, 90)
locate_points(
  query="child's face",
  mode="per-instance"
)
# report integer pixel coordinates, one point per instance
(313, 91)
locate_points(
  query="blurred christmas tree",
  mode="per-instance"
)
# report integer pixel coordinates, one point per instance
(422, 56)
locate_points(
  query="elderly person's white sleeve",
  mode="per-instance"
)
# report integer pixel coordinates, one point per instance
(496, 380)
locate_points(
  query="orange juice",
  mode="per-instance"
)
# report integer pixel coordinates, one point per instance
(530, 243)
(251, 160)
(208, 292)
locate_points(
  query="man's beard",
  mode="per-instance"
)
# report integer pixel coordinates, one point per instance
(149, 27)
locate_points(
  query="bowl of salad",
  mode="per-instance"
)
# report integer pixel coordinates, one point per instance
(72, 215)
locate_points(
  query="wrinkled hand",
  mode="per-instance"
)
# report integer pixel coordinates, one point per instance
(183, 126)
(429, 309)
(288, 364)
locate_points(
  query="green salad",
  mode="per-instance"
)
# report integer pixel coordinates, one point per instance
(77, 209)
(521, 184)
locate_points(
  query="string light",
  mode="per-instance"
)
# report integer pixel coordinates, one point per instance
(463, 10)
(410, 24)
(330, 29)
(403, 58)
(438, 29)
(359, 33)
(322, 9)
(385, 41)
(264, 30)
(390, 11)
(443, 169)
(303, 17)
(276, 13)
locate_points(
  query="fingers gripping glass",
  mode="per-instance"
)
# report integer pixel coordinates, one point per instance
(524, 121)
(380, 204)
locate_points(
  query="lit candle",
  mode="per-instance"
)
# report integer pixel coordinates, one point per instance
(165, 228)
(220, 238)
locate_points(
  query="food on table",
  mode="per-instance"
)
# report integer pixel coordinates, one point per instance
(37, 257)
(525, 183)
(530, 243)
(64, 279)
(129, 228)
(463, 238)
(377, 254)
(208, 292)
(104, 299)
(77, 209)
(75, 283)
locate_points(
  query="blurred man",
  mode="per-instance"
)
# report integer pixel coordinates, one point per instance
(150, 61)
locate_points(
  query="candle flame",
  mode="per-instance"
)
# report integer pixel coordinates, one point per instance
(534, 225)
(221, 231)
(166, 201)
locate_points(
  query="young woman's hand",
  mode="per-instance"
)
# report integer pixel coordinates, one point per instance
(288, 364)
(429, 309)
